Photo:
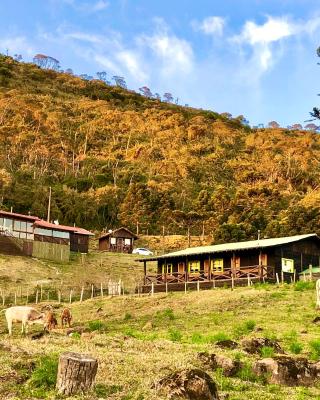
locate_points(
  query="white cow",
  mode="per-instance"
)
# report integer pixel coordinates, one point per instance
(24, 314)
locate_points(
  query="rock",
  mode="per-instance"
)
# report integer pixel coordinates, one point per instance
(190, 384)
(254, 346)
(227, 344)
(304, 331)
(259, 329)
(285, 370)
(316, 320)
(148, 326)
(77, 329)
(214, 361)
(38, 335)
(99, 310)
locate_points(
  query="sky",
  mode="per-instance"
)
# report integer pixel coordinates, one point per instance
(255, 58)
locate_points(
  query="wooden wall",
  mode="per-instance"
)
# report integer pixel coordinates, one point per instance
(51, 251)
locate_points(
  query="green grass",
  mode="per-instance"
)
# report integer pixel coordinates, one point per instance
(315, 349)
(296, 347)
(267, 352)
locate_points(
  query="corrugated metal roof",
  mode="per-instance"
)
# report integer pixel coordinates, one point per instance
(251, 244)
(58, 227)
(105, 235)
(16, 215)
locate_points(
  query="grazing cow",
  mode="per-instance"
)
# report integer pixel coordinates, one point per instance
(66, 317)
(24, 314)
(50, 321)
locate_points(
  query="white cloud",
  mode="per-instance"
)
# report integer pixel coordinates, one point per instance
(132, 64)
(210, 26)
(85, 37)
(16, 45)
(100, 5)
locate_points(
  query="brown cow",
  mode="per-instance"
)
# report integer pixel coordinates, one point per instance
(66, 317)
(50, 321)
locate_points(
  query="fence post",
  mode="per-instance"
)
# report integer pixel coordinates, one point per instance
(37, 295)
(101, 289)
(304, 277)
(294, 276)
(15, 298)
(81, 295)
(277, 278)
(185, 287)
(152, 288)
(198, 286)
(248, 276)
(232, 282)
(92, 293)
(70, 296)
(310, 272)
(282, 277)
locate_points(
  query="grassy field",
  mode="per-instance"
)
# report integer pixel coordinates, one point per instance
(139, 340)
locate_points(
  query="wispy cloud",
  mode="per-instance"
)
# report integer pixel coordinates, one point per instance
(212, 25)
(16, 45)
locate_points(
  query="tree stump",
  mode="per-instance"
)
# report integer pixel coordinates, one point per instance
(76, 373)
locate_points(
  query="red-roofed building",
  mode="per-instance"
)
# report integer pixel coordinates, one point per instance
(30, 235)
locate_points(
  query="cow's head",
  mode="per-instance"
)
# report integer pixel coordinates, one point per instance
(39, 319)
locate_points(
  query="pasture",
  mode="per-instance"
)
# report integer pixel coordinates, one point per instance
(139, 340)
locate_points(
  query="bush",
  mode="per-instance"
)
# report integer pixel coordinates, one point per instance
(301, 286)
(267, 352)
(245, 328)
(168, 313)
(102, 390)
(44, 376)
(127, 316)
(296, 347)
(250, 325)
(315, 349)
(197, 338)
(96, 325)
(218, 337)
(175, 335)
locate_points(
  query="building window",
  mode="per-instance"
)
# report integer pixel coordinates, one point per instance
(127, 242)
(217, 265)
(287, 265)
(113, 240)
(194, 266)
(167, 269)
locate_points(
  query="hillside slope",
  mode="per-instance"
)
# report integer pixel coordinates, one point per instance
(114, 157)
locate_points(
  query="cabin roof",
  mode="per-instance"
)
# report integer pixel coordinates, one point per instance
(225, 247)
(16, 215)
(105, 235)
(73, 229)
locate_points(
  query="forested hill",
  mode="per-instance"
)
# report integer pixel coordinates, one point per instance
(114, 157)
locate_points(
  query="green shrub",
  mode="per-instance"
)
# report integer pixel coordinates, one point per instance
(75, 335)
(250, 325)
(127, 316)
(246, 373)
(267, 352)
(96, 325)
(301, 286)
(218, 337)
(315, 349)
(175, 335)
(296, 347)
(197, 338)
(102, 390)
(168, 313)
(44, 376)
(245, 328)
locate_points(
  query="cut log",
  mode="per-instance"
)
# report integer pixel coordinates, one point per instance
(76, 373)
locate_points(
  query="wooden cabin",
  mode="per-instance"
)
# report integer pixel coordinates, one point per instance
(29, 235)
(256, 260)
(118, 241)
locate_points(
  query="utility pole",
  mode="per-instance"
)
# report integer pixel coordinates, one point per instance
(49, 205)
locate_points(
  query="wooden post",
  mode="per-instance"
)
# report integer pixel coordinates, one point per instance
(318, 294)
(198, 286)
(92, 291)
(232, 282)
(37, 296)
(81, 295)
(277, 277)
(185, 287)
(248, 276)
(304, 277)
(294, 276)
(310, 272)
(15, 298)
(76, 373)
(152, 288)
(101, 289)
(70, 296)
(282, 277)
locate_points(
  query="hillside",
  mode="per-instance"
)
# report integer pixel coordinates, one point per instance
(114, 157)
(139, 340)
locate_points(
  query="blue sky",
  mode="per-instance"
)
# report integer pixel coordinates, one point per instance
(250, 57)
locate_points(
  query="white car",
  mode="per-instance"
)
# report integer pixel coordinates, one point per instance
(142, 251)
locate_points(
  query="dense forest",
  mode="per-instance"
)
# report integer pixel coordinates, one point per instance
(114, 157)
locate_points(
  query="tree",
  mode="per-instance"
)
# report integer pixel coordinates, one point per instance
(145, 91)
(17, 57)
(273, 125)
(168, 97)
(296, 127)
(69, 71)
(47, 62)
(315, 114)
(102, 76)
(157, 96)
(120, 81)
(311, 127)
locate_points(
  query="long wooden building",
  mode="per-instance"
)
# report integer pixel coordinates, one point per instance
(29, 235)
(236, 263)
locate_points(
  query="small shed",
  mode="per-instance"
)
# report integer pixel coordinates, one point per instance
(118, 241)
